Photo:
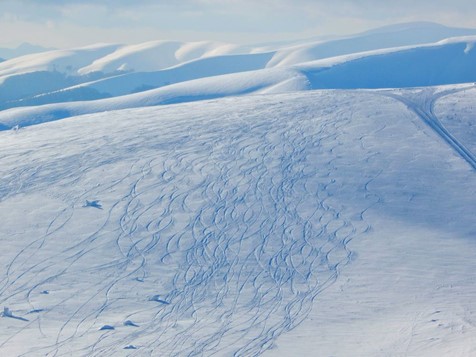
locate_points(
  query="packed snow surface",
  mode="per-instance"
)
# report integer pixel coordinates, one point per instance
(215, 228)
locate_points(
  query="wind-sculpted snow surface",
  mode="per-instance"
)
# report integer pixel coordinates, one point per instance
(176, 233)
(409, 55)
(224, 76)
(268, 81)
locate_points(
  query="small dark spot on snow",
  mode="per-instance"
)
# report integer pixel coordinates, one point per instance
(95, 204)
(8, 313)
(130, 347)
(107, 327)
(158, 299)
(130, 323)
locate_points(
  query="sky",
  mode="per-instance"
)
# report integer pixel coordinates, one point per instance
(72, 23)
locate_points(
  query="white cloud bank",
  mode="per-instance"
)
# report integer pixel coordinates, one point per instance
(65, 23)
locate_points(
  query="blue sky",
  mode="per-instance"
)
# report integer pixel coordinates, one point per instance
(68, 23)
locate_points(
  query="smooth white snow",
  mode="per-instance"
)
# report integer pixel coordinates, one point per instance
(368, 60)
(156, 55)
(266, 81)
(447, 62)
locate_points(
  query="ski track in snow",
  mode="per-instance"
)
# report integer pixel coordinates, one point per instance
(422, 104)
(205, 238)
(214, 239)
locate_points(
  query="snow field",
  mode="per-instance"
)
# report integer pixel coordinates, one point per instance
(210, 204)
(216, 231)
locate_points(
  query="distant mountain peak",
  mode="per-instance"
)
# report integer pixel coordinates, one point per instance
(24, 48)
(417, 25)
(30, 46)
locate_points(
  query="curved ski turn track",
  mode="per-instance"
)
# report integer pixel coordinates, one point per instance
(190, 230)
(179, 238)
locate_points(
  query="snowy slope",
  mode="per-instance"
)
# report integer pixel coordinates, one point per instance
(266, 81)
(449, 61)
(207, 199)
(156, 55)
(22, 50)
(446, 62)
(63, 61)
(330, 222)
(408, 34)
(410, 290)
(35, 74)
(103, 71)
(140, 81)
(457, 112)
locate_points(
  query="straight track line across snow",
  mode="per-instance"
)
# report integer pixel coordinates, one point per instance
(422, 104)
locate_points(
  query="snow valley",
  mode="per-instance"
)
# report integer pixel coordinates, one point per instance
(313, 198)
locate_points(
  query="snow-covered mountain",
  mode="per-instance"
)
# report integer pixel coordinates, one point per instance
(447, 62)
(104, 71)
(22, 50)
(206, 199)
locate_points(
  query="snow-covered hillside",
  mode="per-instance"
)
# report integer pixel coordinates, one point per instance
(206, 199)
(386, 37)
(447, 62)
(22, 50)
(216, 227)
(399, 56)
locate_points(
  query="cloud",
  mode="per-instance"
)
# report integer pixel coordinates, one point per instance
(227, 20)
(362, 9)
